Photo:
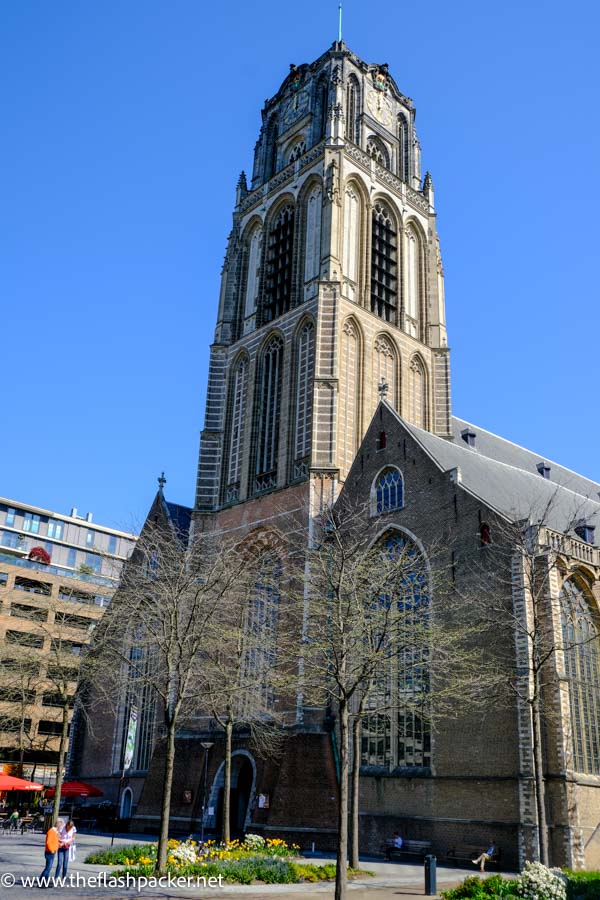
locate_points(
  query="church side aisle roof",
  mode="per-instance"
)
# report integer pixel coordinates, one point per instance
(504, 476)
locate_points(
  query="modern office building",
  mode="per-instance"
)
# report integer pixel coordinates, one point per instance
(57, 574)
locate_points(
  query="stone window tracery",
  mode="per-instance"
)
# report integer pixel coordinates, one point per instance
(384, 264)
(297, 151)
(377, 151)
(269, 414)
(581, 643)
(278, 292)
(352, 110)
(388, 491)
(252, 277)
(351, 240)
(384, 370)
(394, 734)
(238, 415)
(260, 631)
(304, 399)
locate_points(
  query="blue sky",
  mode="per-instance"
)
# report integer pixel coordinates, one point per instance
(125, 127)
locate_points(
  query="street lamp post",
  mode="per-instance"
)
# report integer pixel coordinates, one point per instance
(206, 745)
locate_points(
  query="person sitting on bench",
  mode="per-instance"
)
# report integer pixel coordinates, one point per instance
(394, 843)
(483, 857)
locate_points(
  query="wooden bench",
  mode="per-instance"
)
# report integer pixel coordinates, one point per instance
(468, 852)
(408, 848)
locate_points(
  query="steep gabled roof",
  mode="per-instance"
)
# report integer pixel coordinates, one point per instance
(504, 477)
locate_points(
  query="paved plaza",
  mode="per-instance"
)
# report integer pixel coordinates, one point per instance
(23, 857)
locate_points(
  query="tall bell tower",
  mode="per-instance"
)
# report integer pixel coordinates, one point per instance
(332, 291)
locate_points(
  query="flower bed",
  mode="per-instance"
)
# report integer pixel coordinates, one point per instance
(271, 861)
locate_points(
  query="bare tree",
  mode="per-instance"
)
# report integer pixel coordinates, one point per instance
(153, 639)
(243, 675)
(370, 627)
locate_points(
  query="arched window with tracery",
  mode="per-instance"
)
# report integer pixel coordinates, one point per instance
(271, 148)
(385, 364)
(297, 151)
(253, 270)
(414, 279)
(418, 393)
(349, 393)
(377, 151)
(384, 264)
(278, 290)
(395, 731)
(352, 110)
(304, 399)
(322, 106)
(351, 241)
(387, 492)
(269, 415)
(404, 154)
(312, 258)
(260, 636)
(239, 388)
(581, 643)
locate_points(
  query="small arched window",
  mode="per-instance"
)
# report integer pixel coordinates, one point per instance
(377, 151)
(388, 491)
(297, 151)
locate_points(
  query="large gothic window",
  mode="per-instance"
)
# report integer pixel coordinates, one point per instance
(278, 293)
(269, 415)
(351, 242)
(252, 276)
(395, 734)
(312, 259)
(581, 643)
(418, 393)
(352, 110)
(304, 399)
(387, 492)
(412, 308)
(384, 369)
(349, 393)
(260, 650)
(384, 264)
(239, 387)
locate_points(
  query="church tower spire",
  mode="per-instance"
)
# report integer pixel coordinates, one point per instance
(332, 284)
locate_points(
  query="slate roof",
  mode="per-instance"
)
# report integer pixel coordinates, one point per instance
(181, 517)
(504, 476)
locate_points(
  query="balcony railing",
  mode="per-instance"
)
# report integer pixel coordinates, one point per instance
(56, 570)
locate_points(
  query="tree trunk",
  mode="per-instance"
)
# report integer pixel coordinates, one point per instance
(341, 873)
(165, 810)
(540, 786)
(356, 733)
(62, 752)
(226, 832)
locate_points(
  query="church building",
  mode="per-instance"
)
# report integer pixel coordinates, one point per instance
(330, 373)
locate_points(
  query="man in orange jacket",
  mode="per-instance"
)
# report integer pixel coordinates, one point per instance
(51, 848)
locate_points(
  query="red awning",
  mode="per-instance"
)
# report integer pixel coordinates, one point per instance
(76, 789)
(11, 783)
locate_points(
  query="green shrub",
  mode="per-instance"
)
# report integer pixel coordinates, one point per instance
(583, 885)
(474, 888)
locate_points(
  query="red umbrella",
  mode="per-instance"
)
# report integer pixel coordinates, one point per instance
(11, 783)
(76, 789)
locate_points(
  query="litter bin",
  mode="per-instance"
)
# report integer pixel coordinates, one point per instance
(47, 822)
(430, 876)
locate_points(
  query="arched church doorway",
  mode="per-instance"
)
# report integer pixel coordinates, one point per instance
(126, 803)
(242, 786)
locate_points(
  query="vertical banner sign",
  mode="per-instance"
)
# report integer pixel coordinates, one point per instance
(130, 743)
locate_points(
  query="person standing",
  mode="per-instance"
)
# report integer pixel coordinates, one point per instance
(52, 842)
(66, 837)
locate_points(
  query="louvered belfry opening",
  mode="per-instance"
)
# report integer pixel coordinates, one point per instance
(384, 265)
(278, 294)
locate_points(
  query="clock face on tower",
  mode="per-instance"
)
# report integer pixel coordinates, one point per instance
(380, 107)
(295, 107)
